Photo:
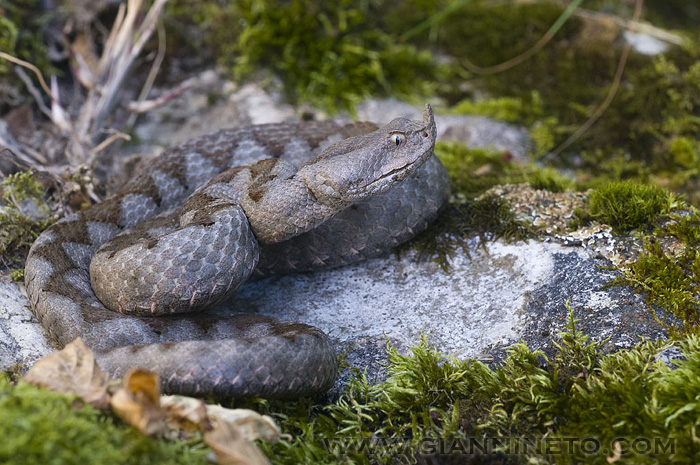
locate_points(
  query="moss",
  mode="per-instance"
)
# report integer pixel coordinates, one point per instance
(578, 393)
(488, 217)
(18, 229)
(671, 282)
(472, 172)
(41, 427)
(628, 205)
(326, 54)
(510, 109)
(17, 275)
(475, 170)
(21, 186)
(650, 121)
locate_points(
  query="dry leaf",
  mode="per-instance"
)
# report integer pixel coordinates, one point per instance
(231, 448)
(137, 402)
(185, 413)
(249, 423)
(72, 370)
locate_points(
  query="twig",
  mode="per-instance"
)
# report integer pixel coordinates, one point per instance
(115, 135)
(144, 106)
(30, 159)
(544, 40)
(30, 66)
(611, 93)
(33, 90)
(152, 73)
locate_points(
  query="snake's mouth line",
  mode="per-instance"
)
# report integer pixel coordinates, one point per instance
(397, 171)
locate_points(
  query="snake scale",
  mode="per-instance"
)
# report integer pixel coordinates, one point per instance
(139, 276)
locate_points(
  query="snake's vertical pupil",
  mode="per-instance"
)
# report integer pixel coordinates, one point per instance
(398, 140)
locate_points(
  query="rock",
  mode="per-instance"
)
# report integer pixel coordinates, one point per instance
(646, 44)
(503, 294)
(23, 341)
(669, 355)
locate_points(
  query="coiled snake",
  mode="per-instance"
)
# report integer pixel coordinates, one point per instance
(134, 274)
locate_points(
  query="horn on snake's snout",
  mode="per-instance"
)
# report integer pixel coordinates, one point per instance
(428, 116)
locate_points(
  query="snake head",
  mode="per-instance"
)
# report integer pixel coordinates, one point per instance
(362, 166)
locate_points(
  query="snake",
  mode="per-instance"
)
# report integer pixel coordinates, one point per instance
(142, 277)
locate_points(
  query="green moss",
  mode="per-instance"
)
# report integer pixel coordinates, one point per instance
(671, 282)
(21, 192)
(475, 170)
(488, 217)
(578, 393)
(42, 427)
(651, 124)
(685, 152)
(21, 186)
(17, 275)
(543, 136)
(472, 172)
(327, 54)
(509, 109)
(628, 205)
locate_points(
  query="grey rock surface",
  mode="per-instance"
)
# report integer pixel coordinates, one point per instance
(22, 339)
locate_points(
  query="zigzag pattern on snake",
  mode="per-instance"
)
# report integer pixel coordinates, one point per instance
(139, 276)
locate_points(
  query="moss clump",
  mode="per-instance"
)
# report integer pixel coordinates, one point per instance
(579, 393)
(472, 172)
(525, 110)
(671, 281)
(21, 193)
(40, 427)
(488, 217)
(628, 205)
(325, 53)
(475, 170)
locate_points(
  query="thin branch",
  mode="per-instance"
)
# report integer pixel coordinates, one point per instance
(28, 158)
(33, 90)
(152, 73)
(116, 135)
(29, 66)
(544, 40)
(611, 93)
(125, 42)
(144, 106)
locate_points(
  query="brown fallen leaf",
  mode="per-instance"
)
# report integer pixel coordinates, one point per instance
(249, 423)
(231, 448)
(190, 414)
(185, 413)
(73, 370)
(137, 402)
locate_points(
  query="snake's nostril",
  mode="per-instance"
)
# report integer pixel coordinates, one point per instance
(425, 134)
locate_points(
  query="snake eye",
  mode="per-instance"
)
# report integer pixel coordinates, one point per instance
(398, 139)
